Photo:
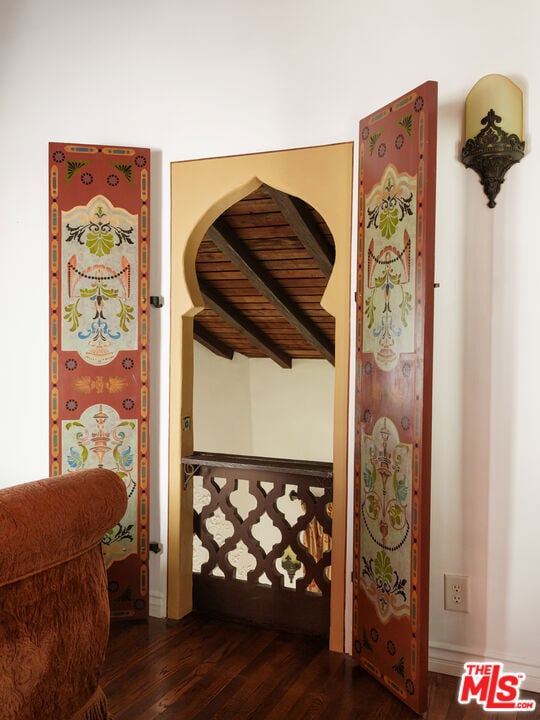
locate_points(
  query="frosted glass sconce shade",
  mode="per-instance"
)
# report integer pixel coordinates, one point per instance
(493, 129)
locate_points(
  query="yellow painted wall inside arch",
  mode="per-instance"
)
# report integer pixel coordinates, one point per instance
(200, 191)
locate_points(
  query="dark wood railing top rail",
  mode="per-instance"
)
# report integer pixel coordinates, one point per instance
(312, 468)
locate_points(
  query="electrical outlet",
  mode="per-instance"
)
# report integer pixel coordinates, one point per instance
(456, 592)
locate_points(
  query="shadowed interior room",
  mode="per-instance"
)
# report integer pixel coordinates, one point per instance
(270, 388)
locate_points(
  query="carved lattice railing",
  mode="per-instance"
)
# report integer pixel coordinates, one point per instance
(262, 539)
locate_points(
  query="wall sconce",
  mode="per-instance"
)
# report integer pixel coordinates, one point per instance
(489, 150)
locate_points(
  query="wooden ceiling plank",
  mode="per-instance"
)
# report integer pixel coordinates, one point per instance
(271, 219)
(228, 313)
(297, 214)
(285, 275)
(227, 241)
(250, 205)
(266, 233)
(211, 342)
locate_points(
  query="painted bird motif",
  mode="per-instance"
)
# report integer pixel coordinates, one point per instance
(123, 457)
(75, 459)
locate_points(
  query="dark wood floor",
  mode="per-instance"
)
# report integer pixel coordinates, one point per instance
(200, 669)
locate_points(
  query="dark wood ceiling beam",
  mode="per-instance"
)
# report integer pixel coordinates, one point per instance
(211, 342)
(225, 239)
(241, 323)
(299, 217)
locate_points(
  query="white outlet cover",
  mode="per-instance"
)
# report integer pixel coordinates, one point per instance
(456, 592)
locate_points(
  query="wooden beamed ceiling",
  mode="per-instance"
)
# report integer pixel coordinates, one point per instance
(262, 268)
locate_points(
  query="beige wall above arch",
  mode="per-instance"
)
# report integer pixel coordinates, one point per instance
(200, 191)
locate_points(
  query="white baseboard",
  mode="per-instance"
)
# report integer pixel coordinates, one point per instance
(157, 605)
(449, 659)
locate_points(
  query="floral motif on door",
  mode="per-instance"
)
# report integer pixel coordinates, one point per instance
(385, 573)
(101, 438)
(389, 279)
(100, 286)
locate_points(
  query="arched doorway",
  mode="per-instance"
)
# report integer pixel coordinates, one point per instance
(263, 416)
(201, 191)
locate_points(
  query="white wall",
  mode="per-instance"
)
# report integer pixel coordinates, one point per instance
(293, 410)
(250, 406)
(196, 79)
(222, 419)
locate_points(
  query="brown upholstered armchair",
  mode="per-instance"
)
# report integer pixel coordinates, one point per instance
(54, 608)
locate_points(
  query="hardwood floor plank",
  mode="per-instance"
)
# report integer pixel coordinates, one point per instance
(168, 664)
(165, 681)
(206, 669)
(260, 685)
(221, 674)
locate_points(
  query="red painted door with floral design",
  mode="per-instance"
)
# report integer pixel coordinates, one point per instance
(393, 392)
(99, 340)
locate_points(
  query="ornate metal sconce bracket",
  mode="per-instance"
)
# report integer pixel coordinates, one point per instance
(491, 153)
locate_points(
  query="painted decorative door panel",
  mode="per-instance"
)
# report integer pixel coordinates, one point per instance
(393, 392)
(99, 274)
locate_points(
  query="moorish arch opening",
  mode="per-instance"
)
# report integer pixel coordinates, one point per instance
(201, 191)
(261, 471)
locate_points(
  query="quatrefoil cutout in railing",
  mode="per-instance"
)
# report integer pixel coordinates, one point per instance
(201, 496)
(241, 560)
(219, 527)
(290, 506)
(266, 533)
(289, 567)
(200, 554)
(315, 540)
(241, 500)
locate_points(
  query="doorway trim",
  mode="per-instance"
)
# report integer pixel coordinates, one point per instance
(201, 190)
